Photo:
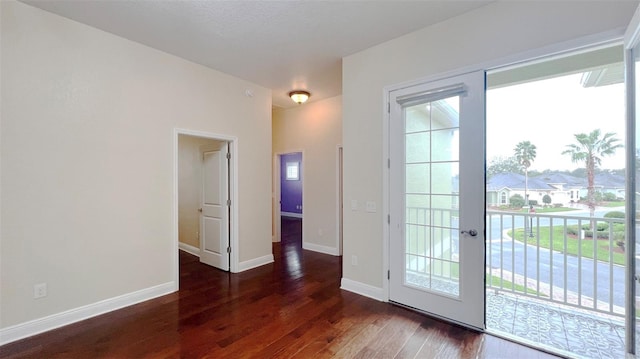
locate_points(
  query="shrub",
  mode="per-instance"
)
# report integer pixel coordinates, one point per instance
(610, 197)
(516, 201)
(599, 227)
(618, 227)
(557, 205)
(546, 199)
(533, 202)
(614, 214)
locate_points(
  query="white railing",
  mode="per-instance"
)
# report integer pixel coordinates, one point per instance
(579, 271)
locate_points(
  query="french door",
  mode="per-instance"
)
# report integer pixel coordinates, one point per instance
(437, 198)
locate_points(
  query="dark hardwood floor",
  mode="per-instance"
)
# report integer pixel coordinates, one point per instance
(292, 308)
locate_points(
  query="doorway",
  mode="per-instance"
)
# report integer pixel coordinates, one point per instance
(291, 185)
(198, 215)
(555, 270)
(288, 196)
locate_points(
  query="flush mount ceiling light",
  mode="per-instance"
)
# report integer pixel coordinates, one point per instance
(299, 96)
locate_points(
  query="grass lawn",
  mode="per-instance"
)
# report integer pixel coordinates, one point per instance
(572, 245)
(611, 204)
(552, 209)
(495, 281)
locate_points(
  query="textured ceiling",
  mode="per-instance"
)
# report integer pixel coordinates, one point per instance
(281, 45)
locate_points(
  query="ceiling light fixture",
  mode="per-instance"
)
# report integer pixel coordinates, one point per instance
(299, 96)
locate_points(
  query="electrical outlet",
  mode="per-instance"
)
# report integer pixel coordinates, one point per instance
(39, 290)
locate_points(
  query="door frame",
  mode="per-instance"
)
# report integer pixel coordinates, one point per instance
(577, 44)
(631, 42)
(277, 235)
(233, 195)
(339, 198)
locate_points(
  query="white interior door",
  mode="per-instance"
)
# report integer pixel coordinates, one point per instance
(437, 198)
(214, 216)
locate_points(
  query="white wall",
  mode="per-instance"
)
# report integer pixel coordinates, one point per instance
(87, 161)
(497, 31)
(316, 129)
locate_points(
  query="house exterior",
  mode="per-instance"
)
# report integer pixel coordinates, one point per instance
(562, 188)
(607, 182)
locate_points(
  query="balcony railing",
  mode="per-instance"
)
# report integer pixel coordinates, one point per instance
(558, 258)
(550, 257)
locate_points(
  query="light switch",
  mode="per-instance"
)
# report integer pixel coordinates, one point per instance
(354, 204)
(371, 206)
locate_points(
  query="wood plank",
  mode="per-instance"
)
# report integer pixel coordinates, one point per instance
(292, 308)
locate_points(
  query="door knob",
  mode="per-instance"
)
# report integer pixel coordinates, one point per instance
(471, 232)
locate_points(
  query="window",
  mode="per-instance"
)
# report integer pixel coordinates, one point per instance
(293, 171)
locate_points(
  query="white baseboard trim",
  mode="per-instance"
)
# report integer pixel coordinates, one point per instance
(189, 249)
(321, 249)
(256, 262)
(291, 214)
(37, 326)
(362, 289)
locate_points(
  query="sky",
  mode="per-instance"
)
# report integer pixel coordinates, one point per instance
(548, 113)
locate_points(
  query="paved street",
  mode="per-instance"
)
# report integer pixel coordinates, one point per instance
(553, 267)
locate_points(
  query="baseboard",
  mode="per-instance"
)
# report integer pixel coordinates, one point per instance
(189, 249)
(37, 326)
(321, 249)
(291, 214)
(362, 289)
(256, 262)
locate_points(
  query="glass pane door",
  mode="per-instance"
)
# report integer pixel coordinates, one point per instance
(437, 198)
(431, 196)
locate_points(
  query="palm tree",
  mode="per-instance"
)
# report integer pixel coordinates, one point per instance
(525, 153)
(590, 149)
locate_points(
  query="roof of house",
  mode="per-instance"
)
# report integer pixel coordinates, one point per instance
(563, 178)
(609, 180)
(542, 182)
(516, 181)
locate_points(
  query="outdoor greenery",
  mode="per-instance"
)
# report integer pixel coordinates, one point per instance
(589, 149)
(503, 165)
(494, 281)
(612, 204)
(525, 153)
(542, 238)
(549, 209)
(516, 201)
(614, 214)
